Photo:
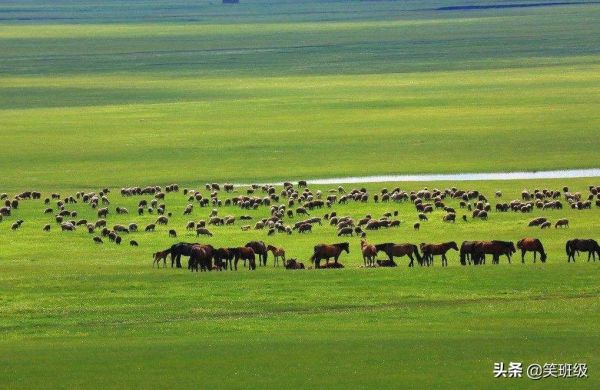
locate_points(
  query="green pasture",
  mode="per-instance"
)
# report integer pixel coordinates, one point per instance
(73, 311)
(381, 87)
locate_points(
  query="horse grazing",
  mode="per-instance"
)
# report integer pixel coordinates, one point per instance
(430, 250)
(531, 245)
(398, 250)
(326, 252)
(201, 257)
(244, 253)
(575, 246)
(158, 256)
(221, 257)
(277, 253)
(178, 250)
(495, 248)
(260, 248)
(369, 253)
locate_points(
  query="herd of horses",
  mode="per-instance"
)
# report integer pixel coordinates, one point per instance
(204, 257)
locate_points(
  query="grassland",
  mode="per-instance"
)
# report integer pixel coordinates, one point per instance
(125, 93)
(415, 91)
(73, 312)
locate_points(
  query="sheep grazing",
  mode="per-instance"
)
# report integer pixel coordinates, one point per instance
(449, 218)
(345, 231)
(203, 232)
(133, 243)
(537, 221)
(98, 240)
(46, 228)
(561, 223)
(172, 233)
(67, 226)
(417, 226)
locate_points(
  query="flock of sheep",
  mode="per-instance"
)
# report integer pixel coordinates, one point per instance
(289, 202)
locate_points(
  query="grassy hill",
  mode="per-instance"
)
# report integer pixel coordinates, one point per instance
(253, 92)
(119, 93)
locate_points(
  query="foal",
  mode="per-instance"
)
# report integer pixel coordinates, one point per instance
(158, 256)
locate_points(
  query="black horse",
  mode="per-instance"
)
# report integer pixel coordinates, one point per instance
(260, 249)
(575, 246)
(179, 249)
(466, 248)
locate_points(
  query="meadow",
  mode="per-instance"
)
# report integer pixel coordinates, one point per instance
(129, 93)
(81, 311)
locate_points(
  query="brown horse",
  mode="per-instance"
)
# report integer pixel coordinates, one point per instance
(246, 254)
(575, 246)
(277, 253)
(221, 257)
(369, 253)
(495, 248)
(293, 264)
(430, 250)
(201, 257)
(158, 256)
(326, 252)
(531, 245)
(398, 250)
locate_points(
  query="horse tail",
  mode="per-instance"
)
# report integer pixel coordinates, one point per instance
(520, 244)
(568, 248)
(417, 254)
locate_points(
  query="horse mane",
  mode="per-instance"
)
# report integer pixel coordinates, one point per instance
(382, 247)
(342, 245)
(504, 243)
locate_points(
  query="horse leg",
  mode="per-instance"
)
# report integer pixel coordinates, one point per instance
(534, 256)
(523, 256)
(411, 263)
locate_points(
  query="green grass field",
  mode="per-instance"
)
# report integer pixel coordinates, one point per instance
(121, 93)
